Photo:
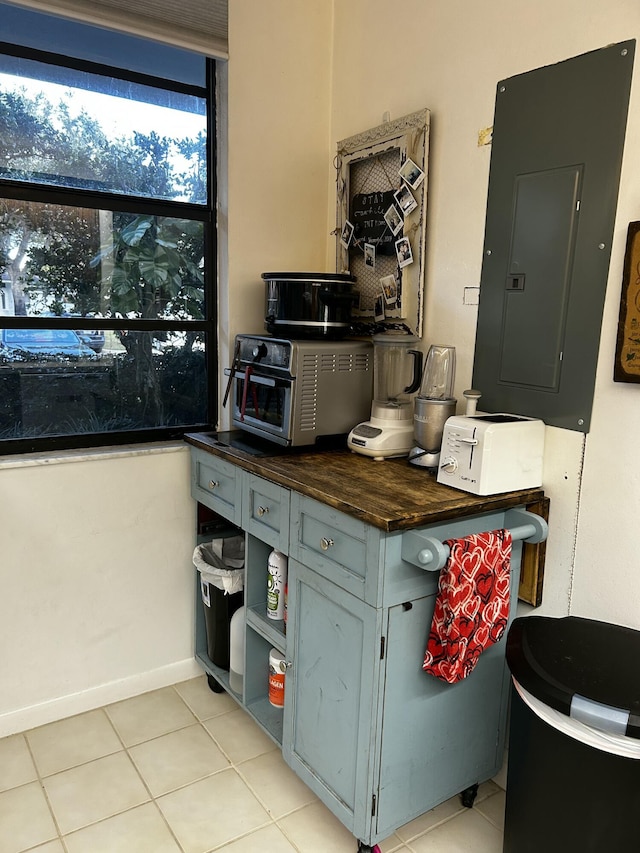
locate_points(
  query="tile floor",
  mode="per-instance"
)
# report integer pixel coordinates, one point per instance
(185, 770)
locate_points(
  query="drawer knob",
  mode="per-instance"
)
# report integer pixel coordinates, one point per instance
(285, 664)
(325, 543)
(213, 484)
(262, 510)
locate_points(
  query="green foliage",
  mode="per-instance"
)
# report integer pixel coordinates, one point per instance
(115, 395)
(55, 249)
(46, 141)
(26, 131)
(59, 257)
(146, 266)
(156, 266)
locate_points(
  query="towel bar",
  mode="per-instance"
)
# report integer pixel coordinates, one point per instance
(433, 554)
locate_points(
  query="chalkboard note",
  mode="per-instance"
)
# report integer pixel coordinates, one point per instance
(369, 226)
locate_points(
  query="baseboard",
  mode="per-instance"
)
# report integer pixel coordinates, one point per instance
(114, 691)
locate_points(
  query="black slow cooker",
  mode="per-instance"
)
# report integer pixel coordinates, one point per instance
(309, 304)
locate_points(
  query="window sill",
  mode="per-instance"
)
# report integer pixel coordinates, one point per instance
(58, 457)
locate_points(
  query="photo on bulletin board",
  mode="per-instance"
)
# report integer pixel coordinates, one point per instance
(405, 200)
(627, 362)
(347, 234)
(411, 174)
(389, 287)
(370, 255)
(378, 311)
(403, 251)
(393, 219)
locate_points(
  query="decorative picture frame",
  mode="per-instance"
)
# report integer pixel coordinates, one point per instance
(368, 174)
(627, 360)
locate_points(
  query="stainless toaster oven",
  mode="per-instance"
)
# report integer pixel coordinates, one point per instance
(295, 392)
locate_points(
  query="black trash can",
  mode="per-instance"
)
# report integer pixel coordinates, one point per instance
(221, 567)
(573, 779)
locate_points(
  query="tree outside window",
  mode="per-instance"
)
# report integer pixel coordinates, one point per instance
(105, 233)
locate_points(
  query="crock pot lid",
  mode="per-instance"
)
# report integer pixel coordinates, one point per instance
(309, 276)
(394, 339)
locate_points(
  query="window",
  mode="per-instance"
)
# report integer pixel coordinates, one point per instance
(107, 253)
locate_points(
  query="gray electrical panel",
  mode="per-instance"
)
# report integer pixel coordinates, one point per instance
(557, 147)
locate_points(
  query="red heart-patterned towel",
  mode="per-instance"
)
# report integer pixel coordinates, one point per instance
(472, 606)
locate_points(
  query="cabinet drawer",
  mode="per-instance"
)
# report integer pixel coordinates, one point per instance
(266, 511)
(337, 546)
(217, 484)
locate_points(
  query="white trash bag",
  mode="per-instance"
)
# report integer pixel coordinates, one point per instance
(221, 563)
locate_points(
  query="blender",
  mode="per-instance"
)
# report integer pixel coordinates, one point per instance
(397, 366)
(434, 405)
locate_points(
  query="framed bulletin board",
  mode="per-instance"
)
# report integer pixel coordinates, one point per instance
(627, 363)
(382, 177)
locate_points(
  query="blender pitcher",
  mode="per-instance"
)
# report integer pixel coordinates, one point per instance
(434, 405)
(396, 378)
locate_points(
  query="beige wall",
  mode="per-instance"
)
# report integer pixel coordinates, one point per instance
(97, 587)
(279, 147)
(448, 55)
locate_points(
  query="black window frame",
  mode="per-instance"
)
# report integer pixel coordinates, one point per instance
(26, 191)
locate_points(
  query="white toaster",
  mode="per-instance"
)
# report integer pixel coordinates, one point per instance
(487, 454)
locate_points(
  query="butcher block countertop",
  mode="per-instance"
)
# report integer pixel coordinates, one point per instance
(391, 495)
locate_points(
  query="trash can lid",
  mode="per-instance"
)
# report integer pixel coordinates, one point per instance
(583, 668)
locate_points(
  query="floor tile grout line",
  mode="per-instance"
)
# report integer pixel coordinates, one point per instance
(235, 766)
(162, 734)
(40, 780)
(200, 723)
(105, 710)
(231, 766)
(117, 814)
(43, 776)
(489, 821)
(263, 804)
(398, 843)
(152, 798)
(217, 742)
(123, 811)
(123, 749)
(286, 835)
(144, 782)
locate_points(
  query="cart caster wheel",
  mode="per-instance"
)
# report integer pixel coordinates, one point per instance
(468, 796)
(214, 685)
(364, 848)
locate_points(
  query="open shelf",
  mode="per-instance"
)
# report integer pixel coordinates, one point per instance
(268, 717)
(220, 675)
(271, 629)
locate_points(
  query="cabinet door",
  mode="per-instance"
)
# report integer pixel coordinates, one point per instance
(437, 739)
(333, 643)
